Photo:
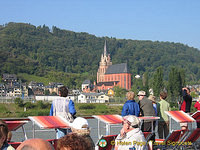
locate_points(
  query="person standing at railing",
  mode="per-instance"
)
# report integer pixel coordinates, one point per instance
(197, 106)
(130, 107)
(63, 107)
(187, 100)
(163, 122)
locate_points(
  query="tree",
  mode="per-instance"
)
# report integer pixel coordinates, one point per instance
(158, 83)
(175, 82)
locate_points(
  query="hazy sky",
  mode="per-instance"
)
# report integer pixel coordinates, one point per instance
(155, 20)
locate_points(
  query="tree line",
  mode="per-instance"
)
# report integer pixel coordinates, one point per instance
(45, 52)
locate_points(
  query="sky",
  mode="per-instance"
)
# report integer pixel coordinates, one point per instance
(156, 20)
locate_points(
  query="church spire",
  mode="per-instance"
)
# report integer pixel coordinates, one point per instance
(105, 52)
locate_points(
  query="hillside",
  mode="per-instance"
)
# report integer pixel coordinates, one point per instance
(25, 48)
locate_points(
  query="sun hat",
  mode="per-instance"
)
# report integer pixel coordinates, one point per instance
(80, 123)
(141, 93)
(133, 120)
(152, 98)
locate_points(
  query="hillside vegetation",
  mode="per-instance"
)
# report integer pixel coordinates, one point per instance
(69, 57)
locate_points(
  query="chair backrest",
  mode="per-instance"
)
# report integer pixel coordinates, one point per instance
(193, 136)
(110, 142)
(148, 135)
(174, 136)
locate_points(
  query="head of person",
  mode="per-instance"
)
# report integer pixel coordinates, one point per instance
(188, 90)
(163, 95)
(73, 141)
(130, 122)
(35, 144)
(80, 126)
(63, 91)
(152, 98)
(141, 95)
(3, 133)
(130, 95)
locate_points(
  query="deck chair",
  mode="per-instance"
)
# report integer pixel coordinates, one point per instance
(172, 138)
(148, 136)
(14, 144)
(109, 142)
(191, 139)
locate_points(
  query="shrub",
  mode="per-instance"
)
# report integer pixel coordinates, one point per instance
(19, 102)
(87, 106)
(29, 105)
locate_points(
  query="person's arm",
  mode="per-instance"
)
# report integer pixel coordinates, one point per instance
(72, 109)
(124, 110)
(51, 110)
(158, 109)
(137, 110)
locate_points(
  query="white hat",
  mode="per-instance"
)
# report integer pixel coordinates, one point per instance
(79, 123)
(133, 120)
(142, 93)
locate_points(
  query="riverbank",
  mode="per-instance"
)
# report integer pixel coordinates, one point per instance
(11, 110)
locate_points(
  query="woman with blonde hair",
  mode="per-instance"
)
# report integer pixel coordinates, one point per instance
(130, 107)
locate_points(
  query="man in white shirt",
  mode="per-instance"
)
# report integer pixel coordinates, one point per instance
(130, 137)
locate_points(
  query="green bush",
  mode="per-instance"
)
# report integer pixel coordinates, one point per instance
(87, 106)
(18, 101)
(29, 105)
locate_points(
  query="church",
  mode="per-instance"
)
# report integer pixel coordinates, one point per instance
(110, 75)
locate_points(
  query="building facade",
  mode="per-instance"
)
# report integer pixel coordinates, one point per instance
(109, 75)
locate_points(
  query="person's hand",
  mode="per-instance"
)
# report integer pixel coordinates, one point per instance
(122, 132)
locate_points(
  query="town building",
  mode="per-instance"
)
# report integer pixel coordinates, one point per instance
(109, 75)
(93, 98)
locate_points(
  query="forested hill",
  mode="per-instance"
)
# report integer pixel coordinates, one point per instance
(25, 48)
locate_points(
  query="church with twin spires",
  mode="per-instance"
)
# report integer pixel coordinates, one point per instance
(110, 75)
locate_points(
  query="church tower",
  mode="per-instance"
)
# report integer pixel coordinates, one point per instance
(103, 65)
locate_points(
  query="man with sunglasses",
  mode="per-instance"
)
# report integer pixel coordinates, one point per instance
(130, 137)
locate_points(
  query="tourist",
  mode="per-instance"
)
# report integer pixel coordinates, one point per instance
(197, 106)
(63, 107)
(3, 137)
(80, 126)
(35, 144)
(131, 135)
(153, 99)
(130, 107)
(146, 109)
(72, 141)
(187, 100)
(163, 122)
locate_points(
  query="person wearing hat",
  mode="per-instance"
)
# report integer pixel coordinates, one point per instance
(163, 122)
(80, 127)
(130, 137)
(146, 109)
(153, 99)
(130, 107)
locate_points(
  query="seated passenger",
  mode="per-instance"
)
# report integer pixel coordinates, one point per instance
(3, 137)
(80, 126)
(73, 141)
(35, 144)
(130, 137)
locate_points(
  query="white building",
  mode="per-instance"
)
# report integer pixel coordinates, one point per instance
(93, 98)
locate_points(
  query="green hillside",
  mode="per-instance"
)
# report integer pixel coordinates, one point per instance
(55, 53)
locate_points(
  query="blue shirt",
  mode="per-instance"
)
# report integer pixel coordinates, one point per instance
(131, 108)
(70, 106)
